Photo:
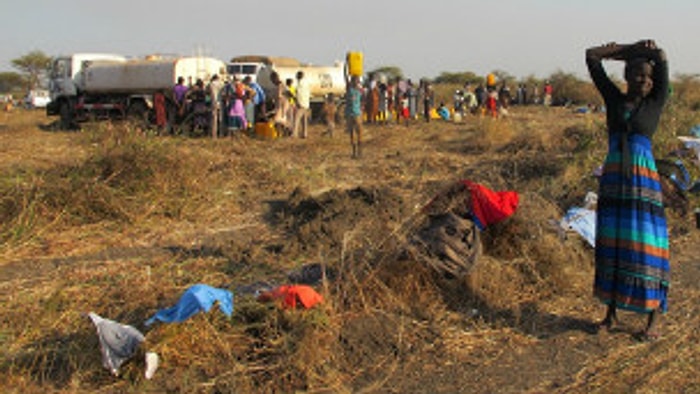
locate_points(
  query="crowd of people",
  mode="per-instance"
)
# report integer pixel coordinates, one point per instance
(401, 100)
(228, 106)
(220, 107)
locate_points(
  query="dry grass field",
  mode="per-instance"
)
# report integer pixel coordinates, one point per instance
(115, 220)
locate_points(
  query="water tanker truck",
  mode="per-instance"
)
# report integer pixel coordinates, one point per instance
(100, 86)
(322, 80)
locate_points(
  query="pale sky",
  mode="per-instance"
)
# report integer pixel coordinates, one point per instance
(423, 38)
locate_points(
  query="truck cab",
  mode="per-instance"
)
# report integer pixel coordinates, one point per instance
(64, 77)
(240, 70)
(37, 98)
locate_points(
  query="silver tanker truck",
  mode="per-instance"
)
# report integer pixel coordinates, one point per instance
(88, 86)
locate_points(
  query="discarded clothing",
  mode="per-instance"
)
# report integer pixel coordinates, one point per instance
(293, 295)
(691, 143)
(197, 298)
(118, 342)
(695, 131)
(152, 362)
(582, 221)
(489, 207)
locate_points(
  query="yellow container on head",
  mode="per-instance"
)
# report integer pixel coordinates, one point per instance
(354, 61)
(490, 80)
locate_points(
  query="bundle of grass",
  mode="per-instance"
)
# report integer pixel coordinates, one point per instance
(530, 240)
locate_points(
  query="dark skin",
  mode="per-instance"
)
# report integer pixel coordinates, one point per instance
(638, 75)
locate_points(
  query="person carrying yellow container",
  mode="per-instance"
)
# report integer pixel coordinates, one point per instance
(353, 113)
(354, 64)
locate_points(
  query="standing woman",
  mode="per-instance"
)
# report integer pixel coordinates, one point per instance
(631, 254)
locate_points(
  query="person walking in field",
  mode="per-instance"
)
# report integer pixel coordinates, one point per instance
(281, 100)
(353, 114)
(428, 99)
(179, 98)
(372, 100)
(632, 269)
(291, 94)
(412, 100)
(547, 94)
(215, 87)
(303, 101)
(259, 100)
(234, 95)
(329, 111)
(383, 103)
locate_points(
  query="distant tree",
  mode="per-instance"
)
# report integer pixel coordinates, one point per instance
(33, 65)
(531, 80)
(458, 78)
(568, 88)
(503, 76)
(391, 72)
(686, 90)
(11, 81)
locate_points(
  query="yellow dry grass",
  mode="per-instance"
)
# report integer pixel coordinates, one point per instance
(117, 221)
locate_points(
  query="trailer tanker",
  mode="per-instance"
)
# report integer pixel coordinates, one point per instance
(322, 81)
(99, 86)
(146, 76)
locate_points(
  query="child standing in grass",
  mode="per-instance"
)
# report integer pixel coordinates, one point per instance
(329, 111)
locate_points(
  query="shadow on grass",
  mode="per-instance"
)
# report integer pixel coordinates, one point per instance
(527, 318)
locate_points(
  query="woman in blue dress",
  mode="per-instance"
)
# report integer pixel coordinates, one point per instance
(632, 253)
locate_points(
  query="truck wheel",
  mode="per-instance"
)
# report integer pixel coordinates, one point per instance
(66, 115)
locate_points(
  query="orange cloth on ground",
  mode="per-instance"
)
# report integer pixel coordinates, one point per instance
(293, 294)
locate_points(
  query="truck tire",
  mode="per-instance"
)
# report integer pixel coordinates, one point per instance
(65, 111)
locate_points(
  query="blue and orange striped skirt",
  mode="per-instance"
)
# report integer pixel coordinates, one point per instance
(632, 268)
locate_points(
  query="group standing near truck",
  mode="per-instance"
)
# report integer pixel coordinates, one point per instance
(189, 94)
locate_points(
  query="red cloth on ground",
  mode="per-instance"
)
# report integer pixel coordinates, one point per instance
(489, 207)
(290, 295)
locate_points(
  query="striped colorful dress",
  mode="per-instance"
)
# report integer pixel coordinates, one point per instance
(632, 254)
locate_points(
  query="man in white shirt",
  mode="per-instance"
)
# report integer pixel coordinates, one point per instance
(215, 87)
(303, 98)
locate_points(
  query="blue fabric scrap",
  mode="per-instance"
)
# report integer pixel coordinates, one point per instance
(197, 298)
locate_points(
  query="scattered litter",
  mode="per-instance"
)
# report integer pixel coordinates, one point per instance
(692, 143)
(254, 289)
(151, 364)
(449, 243)
(582, 219)
(118, 342)
(197, 298)
(491, 207)
(481, 204)
(695, 131)
(292, 296)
